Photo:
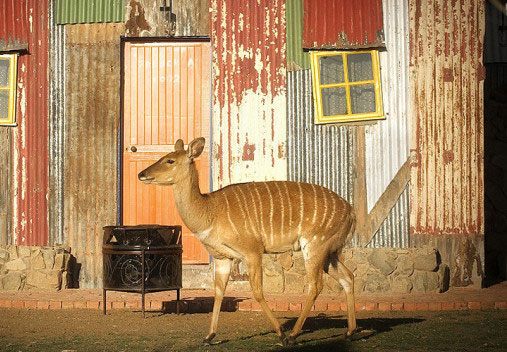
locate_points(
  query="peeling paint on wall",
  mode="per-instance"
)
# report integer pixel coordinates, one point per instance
(249, 91)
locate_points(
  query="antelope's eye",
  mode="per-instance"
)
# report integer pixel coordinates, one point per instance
(170, 161)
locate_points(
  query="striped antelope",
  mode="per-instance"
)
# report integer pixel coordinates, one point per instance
(243, 221)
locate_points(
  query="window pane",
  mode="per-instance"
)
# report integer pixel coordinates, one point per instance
(4, 104)
(4, 72)
(359, 67)
(362, 99)
(334, 101)
(331, 69)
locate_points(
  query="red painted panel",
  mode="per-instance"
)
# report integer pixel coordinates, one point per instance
(13, 23)
(342, 24)
(31, 135)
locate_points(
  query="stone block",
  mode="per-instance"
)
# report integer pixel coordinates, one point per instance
(294, 283)
(4, 255)
(13, 252)
(362, 269)
(377, 283)
(402, 284)
(16, 265)
(49, 280)
(272, 268)
(405, 266)
(285, 260)
(24, 251)
(425, 281)
(359, 285)
(347, 254)
(426, 261)
(12, 281)
(37, 261)
(332, 285)
(59, 261)
(359, 256)
(351, 265)
(274, 284)
(299, 263)
(49, 257)
(383, 260)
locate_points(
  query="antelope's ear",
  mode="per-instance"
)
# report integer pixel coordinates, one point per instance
(179, 145)
(196, 147)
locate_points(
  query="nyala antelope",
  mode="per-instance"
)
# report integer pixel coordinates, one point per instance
(243, 221)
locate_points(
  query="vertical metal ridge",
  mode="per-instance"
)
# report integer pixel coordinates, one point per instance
(56, 128)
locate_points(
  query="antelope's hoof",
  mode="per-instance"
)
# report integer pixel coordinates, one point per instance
(284, 341)
(208, 339)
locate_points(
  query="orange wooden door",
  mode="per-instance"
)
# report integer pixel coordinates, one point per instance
(166, 96)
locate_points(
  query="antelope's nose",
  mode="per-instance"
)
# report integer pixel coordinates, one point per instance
(141, 176)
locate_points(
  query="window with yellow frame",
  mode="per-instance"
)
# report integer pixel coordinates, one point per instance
(346, 86)
(8, 68)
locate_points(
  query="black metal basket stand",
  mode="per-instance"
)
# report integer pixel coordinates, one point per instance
(142, 259)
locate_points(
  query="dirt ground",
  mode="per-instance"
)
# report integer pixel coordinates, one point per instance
(125, 330)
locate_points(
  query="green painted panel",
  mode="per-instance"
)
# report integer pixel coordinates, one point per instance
(297, 59)
(89, 11)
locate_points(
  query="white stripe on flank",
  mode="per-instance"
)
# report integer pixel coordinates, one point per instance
(254, 203)
(261, 217)
(301, 208)
(314, 204)
(282, 206)
(290, 205)
(229, 214)
(324, 195)
(270, 212)
(246, 207)
(333, 212)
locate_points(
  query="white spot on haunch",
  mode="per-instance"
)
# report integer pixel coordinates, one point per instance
(303, 242)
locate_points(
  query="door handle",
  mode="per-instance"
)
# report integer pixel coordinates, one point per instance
(133, 149)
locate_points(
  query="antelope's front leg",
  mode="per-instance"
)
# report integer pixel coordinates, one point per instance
(222, 271)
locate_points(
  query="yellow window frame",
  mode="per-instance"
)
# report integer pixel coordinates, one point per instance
(11, 88)
(317, 87)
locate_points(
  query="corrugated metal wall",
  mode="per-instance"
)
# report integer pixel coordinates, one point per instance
(387, 142)
(249, 90)
(320, 154)
(446, 75)
(92, 105)
(342, 24)
(297, 59)
(13, 24)
(89, 11)
(56, 128)
(30, 159)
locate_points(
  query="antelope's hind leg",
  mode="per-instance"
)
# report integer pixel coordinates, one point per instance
(314, 272)
(345, 277)
(222, 271)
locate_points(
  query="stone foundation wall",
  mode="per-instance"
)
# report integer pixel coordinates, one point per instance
(376, 270)
(30, 267)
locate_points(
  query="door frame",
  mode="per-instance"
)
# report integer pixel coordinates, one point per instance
(123, 41)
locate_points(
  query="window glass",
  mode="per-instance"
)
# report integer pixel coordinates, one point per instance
(362, 99)
(334, 101)
(359, 67)
(331, 69)
(4, 72)
(4, 104)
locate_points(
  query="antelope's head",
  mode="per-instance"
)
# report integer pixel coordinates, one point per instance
(175, 166)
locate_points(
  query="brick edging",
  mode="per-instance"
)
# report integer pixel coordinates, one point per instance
(194, 306)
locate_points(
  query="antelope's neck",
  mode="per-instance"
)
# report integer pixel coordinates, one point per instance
(193, 206)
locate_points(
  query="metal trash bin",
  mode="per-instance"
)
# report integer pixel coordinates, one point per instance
(143, 258)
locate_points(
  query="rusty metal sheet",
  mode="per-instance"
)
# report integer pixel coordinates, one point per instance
(92, 68)
(143, 18)
(249, 90)
(447, 143)
(342, 24)
(13, 25)
(30, 137)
